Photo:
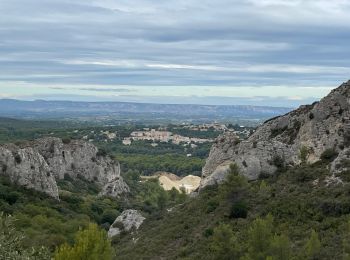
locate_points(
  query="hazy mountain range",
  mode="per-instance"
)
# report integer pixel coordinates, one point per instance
(41, 109)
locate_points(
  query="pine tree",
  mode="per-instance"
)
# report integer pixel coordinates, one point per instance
(313, 246)
(235, 184)
(224, 243)
(90, 244)
(264, 190)
(259, 240)
(346, 242)
(280, 248)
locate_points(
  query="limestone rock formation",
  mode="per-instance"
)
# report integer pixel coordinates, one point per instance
(283, 141)
(128, 220)
(26, 167)
(39, 163)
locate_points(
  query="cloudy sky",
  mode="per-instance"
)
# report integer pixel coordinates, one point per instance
(265, 52)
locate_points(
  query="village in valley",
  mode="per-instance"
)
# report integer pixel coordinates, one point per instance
(162, 134)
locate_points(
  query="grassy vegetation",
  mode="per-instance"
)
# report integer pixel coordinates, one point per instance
(148, 164)
(293, 212)
(47, 222)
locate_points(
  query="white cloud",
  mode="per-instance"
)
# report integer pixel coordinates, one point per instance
(184, 44)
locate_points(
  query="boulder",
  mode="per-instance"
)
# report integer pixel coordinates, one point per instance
(130, 219)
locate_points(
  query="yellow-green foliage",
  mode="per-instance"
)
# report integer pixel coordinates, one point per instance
(304, 154)
(90, 244)
(346, 243)
(313, 246)
(11, 243)
(259, 238)
(224, 243)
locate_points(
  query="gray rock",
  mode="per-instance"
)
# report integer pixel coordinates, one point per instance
(342, 162)
(47, 159)
(278, 142)
(26, 167)
(128, 220)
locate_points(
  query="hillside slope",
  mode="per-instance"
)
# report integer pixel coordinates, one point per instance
(300, 200)
(303, 134)
(283, 194)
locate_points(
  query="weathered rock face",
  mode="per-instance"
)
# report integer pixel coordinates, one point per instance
(37, 164)
(317, 127)
(128, 220)
(26, 167)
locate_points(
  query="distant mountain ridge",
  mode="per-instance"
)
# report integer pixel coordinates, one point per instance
(46, 109)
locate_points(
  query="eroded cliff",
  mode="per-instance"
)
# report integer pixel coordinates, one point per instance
(303, 134)
(38, 164)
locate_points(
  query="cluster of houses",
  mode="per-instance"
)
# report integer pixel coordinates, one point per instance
(162, 136)
(206, 127)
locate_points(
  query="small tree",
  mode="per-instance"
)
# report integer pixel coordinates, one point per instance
(90, 244)
(313, 246)
(11, 243)
(346, 242)
(235, 184)
(264, 189)
(239, 209)
(304, 154)
(224, 243)
(280, 248)
(259, 238)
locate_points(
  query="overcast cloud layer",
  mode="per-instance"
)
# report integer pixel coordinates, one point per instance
(272, 52)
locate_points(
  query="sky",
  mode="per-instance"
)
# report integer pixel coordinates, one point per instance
(229, 52)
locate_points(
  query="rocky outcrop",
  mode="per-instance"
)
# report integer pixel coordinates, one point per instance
(26, 167)
(342, 162)
(128, 220)
(40, 163)
(310, 129)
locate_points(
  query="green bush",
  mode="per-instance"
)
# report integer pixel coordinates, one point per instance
(329, 155)
(11, 243)
(239, 209)
(66, 140)
(109, 216)
(90, 244)
(101, 153)
(18, 158)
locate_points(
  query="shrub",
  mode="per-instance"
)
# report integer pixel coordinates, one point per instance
(212, 205)
(224, 243)
(11, 240)
(12, 197)
(329, 155)
(311, 116)
(235, 185)
(72, 199)
(278, 161)
(109, 216)
(90, 244)
(239, 210)
(208, 232)
(4, 168)
(18, 158)
(313, 246)
(303, 154)
(101, 153)
(66, 140)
